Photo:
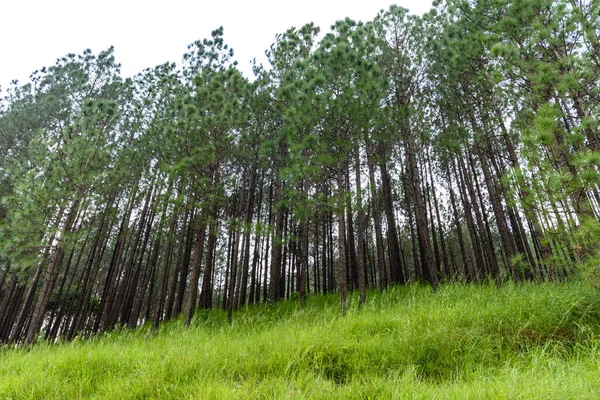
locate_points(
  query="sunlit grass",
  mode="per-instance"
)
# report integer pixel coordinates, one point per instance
(464, 341)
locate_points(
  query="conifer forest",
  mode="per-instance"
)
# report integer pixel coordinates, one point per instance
(458, 146)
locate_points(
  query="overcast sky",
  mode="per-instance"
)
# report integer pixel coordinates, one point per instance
(34, 33)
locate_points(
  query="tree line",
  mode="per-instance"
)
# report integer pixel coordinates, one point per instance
(462, 145)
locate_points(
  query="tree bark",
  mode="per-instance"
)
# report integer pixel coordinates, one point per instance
(341, 237)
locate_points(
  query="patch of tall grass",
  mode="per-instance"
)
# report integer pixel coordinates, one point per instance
(463, 341)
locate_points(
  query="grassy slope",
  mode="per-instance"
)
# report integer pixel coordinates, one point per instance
(528, 341)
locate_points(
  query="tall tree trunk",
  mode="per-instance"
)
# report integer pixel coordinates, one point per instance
(247, 232)
(383, 278)
(505, 235)
(19, 325)
(133, 267)
(200, 224)
(420, 209)
(185, 267)
(110, 282)
(351, 273)
(361, 220)
(417, 272)
(303, 267)
(159, 302)
(428, 196)
(233, 281)
(206, 294)
(341, 237)
(446, 264)
(474, 230)
(51, 274)
(277, 245)
(8, 302)
(491, 268)
(468, 269)
(397, 274)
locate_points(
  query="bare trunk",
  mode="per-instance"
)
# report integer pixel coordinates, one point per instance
(383, 278)
(361, 218)
(341, 238)
(196, 267)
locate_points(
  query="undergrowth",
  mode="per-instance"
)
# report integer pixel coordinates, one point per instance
(463, 341)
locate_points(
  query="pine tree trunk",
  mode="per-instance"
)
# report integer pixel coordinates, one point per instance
(491, 268)
(383, 278)
(341, 237)
(505, 235)
(361, 218)
(200, 224)
(247, 231)
(474, 274)
(185, 267)
(233, 278)
(397, 274)
(206, 295)
(159, 302)
(352, 273)
(468, 269)
(445, 262)
(51, 274)
(277, 246)
(303, 267)
(414, 183)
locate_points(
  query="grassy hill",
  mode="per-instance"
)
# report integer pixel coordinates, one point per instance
(527, 341)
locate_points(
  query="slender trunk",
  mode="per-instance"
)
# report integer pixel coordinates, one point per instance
(351, 272)
(480, 209)
(267, 250)
(505, 236)
(51, 274)
(206, 294)
(134, 265)
(472, 275)
(19, 325)
(157, 314)
(528, 203)
(185, 267)
(341, 192)
(446, 264)
(397, 274)
(6, 301)
(324, 258)
(414, 182)
(59, 309)
(277, 246)
(9, 307)
(233, 281)
(428, 196)
(200, 224)
(467, 269)
(383, 278)
(361, 218)
(110, 281)
(247, 233)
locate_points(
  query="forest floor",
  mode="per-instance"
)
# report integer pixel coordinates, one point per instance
(530, 341)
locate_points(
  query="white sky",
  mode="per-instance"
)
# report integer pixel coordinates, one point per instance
(34, 33)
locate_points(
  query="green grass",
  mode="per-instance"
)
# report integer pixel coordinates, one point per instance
(462, 342)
